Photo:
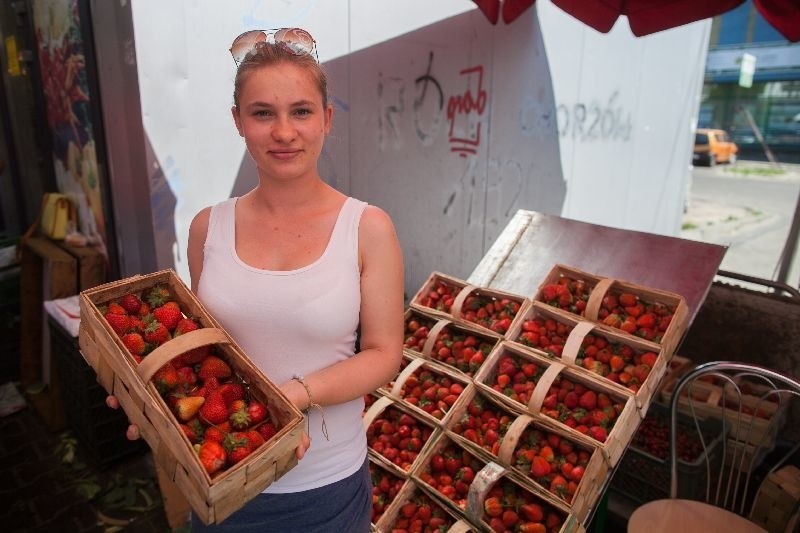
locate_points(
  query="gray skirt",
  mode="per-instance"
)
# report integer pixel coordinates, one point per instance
(344, 506)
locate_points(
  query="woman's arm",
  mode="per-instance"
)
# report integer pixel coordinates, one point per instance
(381, 321)
(197, 240)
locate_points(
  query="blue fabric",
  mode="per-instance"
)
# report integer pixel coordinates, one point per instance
(343, 506)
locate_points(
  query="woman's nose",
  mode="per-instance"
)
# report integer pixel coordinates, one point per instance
(283, 131)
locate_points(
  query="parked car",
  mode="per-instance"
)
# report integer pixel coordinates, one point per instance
(712, 147)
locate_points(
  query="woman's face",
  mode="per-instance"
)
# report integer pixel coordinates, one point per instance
(283, 121)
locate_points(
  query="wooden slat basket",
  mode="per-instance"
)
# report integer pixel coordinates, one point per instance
(212, 498)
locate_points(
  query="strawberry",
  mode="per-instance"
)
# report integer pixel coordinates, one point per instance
(115, 309)
(213, 366)
(156, 333)
(257, 412)
(186, 377)
(267, 430)
(131, 303)
(238, 447)
(166, 378)
(239, 418)
(168, 315)
(120, 323)
(598, 433)
(185, 325)
(212, 456)
(588, 400)
(255, 439)
(186, 408)
(214, 410)
(144, 310)
(157, 296)
(214, 433)
(193, 431)
(192, 357)
(134, 343)
(231, 391)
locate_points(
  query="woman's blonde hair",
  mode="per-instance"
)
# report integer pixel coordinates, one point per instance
(267, 54)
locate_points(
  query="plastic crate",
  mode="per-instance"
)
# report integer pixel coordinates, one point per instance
(99, 429)
(644, 477)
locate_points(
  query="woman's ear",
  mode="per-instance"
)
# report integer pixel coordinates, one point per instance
(237, 120)
(328, 118)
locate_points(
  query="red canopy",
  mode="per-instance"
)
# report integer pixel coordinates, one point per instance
(650, 16)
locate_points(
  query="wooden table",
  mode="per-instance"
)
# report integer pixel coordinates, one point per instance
(687, 516)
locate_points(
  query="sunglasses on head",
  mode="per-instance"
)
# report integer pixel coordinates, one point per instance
(296, 40)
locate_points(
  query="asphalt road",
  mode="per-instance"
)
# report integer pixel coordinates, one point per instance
(747, 209)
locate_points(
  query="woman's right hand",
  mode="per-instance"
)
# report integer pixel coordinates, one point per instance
(133, 430)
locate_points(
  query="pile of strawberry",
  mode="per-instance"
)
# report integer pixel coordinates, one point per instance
(567, 293)
(484, 424)
(385, 487)
(433, 392)
(421, 514)
(440, 296)
(212, 405)
(580, 408)
(417, 327)
(631, 314)
(616, 361)
(398, 436)
(653, 437)
(450, 471)
(493, 313)
(545, 334)
(462, 349)
(510, 508)
(516, 377)
(551, 460)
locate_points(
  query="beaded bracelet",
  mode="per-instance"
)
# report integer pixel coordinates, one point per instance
(312, 404)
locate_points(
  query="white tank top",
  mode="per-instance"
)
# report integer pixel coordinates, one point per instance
(295, 322)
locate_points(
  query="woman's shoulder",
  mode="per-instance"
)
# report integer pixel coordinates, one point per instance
(375, 223)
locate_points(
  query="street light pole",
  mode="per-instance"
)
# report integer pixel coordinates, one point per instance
(789, 249)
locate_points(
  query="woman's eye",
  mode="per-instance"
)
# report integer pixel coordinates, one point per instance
(262, 113)
(302, 112)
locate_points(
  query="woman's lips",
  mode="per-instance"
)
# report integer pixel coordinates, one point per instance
(284, 154)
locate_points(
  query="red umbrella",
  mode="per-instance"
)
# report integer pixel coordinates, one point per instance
(650, 16)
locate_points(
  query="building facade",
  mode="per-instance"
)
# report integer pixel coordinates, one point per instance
(768, 110)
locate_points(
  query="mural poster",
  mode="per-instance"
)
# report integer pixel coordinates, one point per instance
(62, 62)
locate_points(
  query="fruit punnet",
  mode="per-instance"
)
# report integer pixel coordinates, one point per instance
(634, 315)
(211, 404)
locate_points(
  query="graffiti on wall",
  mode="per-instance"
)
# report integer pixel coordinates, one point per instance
(595, 121)
(464, 111)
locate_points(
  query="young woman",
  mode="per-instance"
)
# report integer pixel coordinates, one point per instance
(293, 269)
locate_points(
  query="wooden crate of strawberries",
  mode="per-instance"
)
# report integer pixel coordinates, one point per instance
(649, 313)
(538, 456)
(215, 423)
(590, 410)
(484, 494)
(490, 310)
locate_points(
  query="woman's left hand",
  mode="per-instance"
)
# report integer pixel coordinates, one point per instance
(305, 444)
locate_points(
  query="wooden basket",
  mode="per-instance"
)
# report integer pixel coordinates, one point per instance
(378, 472)
(458, 329)
(213, 499)
(412, 492)
(459, 311)
(569, 276)
(558, 325)
(437, 279)
(601, 286)
(414, 341)
(623, 427)
(513, 427)
(777, 505)
(389, 409)
(744, 427)
(673, 333)
(412, 370)
(677, 366)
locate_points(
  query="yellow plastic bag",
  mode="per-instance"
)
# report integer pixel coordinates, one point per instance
(58, 212)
